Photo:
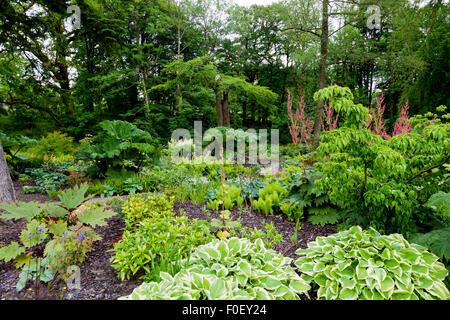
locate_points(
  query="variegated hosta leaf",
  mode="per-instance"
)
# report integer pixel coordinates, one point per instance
(229, 269)
(365, 265)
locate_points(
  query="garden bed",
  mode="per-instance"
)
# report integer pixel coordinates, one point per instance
(99, 280)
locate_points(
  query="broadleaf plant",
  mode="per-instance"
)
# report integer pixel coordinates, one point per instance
(365, 265)
(228, 269)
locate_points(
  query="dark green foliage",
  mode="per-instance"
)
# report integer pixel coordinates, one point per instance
(324, 216)
(120, 142)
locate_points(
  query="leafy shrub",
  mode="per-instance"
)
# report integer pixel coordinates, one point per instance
(232, 198)
(13, 147)
(357, 264)
(55, 143)
(138, 208)
(380, 180)
(157, 245)
(226, 270)
(59, 234)
(119, 143)
(270, 197)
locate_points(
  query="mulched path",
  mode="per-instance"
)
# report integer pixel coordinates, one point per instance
(99, 280)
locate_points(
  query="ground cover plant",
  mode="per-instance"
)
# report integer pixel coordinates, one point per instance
(228, 269)
(356, 264)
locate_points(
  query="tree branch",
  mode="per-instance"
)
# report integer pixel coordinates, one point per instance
(429, 169)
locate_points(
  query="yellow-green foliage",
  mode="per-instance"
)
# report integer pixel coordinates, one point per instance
(140, 207)
(232, 198)
(56, 144)
(270, 197)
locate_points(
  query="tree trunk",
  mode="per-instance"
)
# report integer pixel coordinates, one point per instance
(222, 111)
(322, 71)
(7, 193)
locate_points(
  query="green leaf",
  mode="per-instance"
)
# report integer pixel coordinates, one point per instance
(73, 198)
(271, 283)
(56, 211)
(95, 217)
(348, 294)
(22, 260)
(299, 286)
(217, 290)
(57, 228)
(348, 282)
(387, 284)
(27, 210)
(11, 252)
(34, 234)
(245, 267)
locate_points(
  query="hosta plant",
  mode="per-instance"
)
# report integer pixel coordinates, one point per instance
(356, 264)
(227, 270)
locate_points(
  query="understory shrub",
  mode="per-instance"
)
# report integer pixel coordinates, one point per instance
(120, 144)
(228, 269)
(365, 265)
(54, 144)
(382, 181)
(158, 245)
(138, 208)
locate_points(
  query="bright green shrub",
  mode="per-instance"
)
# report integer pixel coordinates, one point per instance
(232, 198)
(227, 270)
(55, 143)
(357, 264)
(270, 197)
(158, 245)
(13, 147)
(141, 207)
(382, 181)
